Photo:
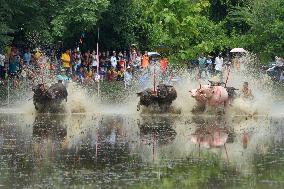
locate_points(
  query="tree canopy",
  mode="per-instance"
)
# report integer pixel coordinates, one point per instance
(186, 27)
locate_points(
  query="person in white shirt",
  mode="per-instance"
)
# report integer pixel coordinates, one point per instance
(113, 60)
(127, 77)
(94, 61)
(2, 60)
(279, 61)
(219, 66)
(282, 77)
(2, 65)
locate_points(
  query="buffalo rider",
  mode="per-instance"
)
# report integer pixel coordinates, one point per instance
(58, 90)
(246, 92)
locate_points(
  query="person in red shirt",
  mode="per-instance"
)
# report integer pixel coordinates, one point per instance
(145, 60)
(121, 63)
(164, 64)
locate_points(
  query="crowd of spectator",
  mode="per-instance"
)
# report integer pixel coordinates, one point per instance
(91, 66)
(83, 67)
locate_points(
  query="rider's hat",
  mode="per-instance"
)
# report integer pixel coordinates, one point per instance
(60, 78)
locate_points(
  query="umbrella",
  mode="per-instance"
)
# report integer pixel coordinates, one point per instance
(238, 50)
(153, 54)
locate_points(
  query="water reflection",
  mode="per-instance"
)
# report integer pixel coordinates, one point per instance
(210, 137)
(158, 130)
(49, 126)
(107, 143)
(102, 151)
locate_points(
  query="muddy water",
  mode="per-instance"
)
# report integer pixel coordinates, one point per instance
(140, 151)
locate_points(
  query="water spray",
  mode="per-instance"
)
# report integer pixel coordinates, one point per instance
(155, 92)
(8, 86)
(41, 72)
(228, 76)
(98, 63)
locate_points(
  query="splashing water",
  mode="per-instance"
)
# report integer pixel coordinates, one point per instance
(260, 85)
(80, 101)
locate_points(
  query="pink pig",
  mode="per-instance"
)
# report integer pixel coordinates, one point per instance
(210, 95)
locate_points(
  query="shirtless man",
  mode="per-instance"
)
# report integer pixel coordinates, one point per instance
(246, 92)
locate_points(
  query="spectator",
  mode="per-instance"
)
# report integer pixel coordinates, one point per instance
(27, 57)
(136, 60)
(102, 73)
(103, 62)
(219, 66)
(132, 56)
(121, 63)
(246, 92)
(127, 77)
(209, 65)
(73, 60)
(90, 58)
(145, 60)
(94, 61)
(2, 65)
(120, 75)
(279, 61)
(81, 74)
(164, 64)
(78, 61)
(112, 74)
(120, 55)
(282, 77)
(236, 63)
(201, 65)
(108, 63)
(14, 63)
(37, 54)
(85, 59)
(125, 57)
(66, 61)
(113, 60)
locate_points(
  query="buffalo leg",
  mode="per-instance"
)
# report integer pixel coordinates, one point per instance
(226, 104)
(198, 108)
(138, 106)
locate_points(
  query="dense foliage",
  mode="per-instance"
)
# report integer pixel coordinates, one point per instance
(43, 22)
(265, 21)
(186, 27)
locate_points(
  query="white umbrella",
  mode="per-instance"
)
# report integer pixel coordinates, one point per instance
(238, 50)
(154, 54)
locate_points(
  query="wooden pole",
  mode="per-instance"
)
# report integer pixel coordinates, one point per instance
(226, 152)
(154, 79)
(98, 51)
(228, 76)
(97, 145)
(41, 72)
(154, 146)
(8, 85)
(98, 63)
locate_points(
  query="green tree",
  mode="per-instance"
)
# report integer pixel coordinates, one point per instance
(76, 16)
(43, 22)
(265, 19)
(186, 28)
(125, 23)
(219, 9)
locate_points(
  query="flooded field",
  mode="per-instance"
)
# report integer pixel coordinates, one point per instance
(107, 143)
(140, 151)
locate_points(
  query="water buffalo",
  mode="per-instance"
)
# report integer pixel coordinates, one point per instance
(231, 90)
(163, 97)
(213, 94)
(49, 99)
